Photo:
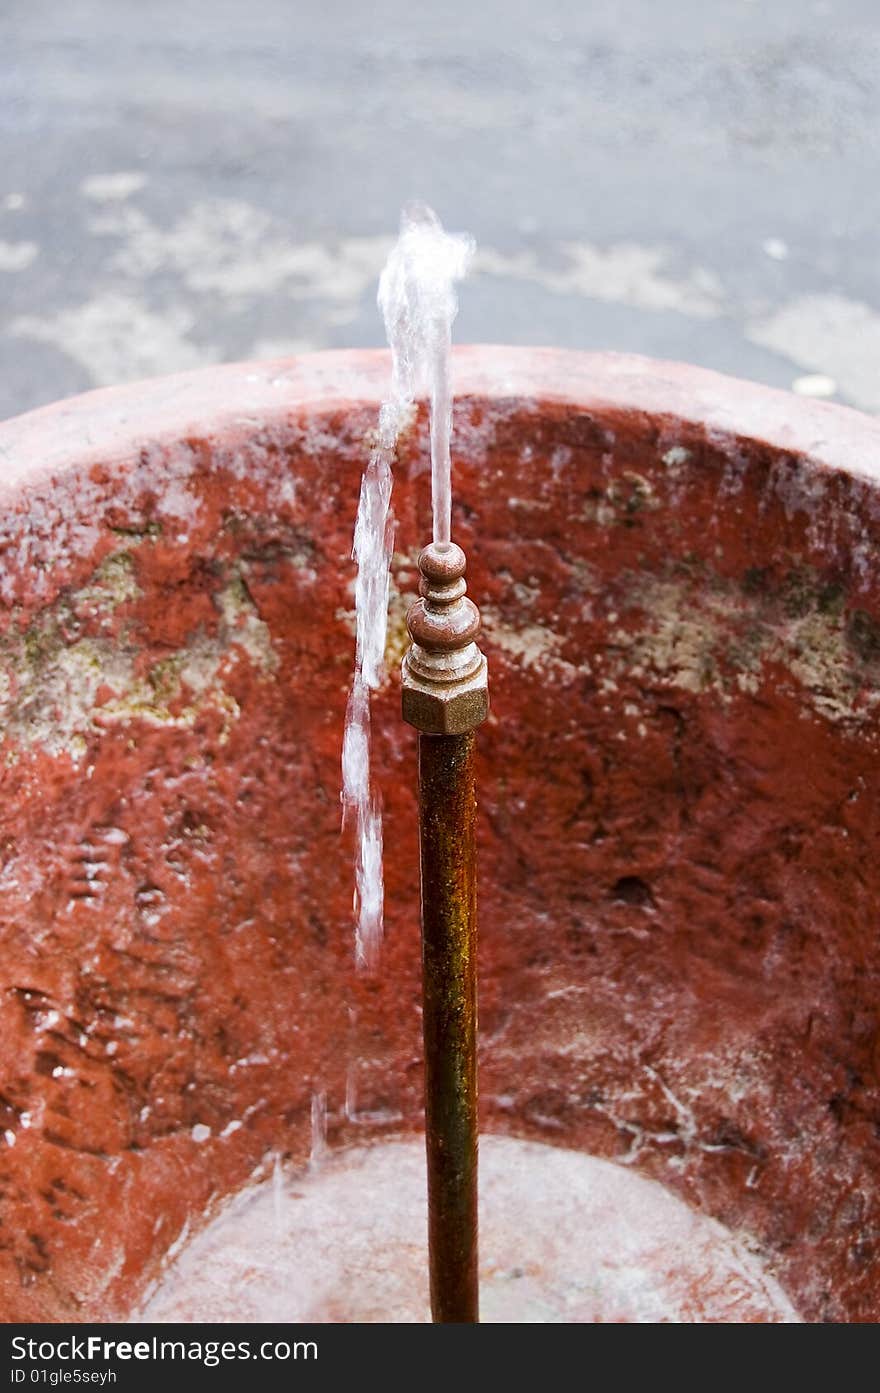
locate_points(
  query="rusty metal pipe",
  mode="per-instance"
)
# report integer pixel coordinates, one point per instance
(447, 809)
(445, 696)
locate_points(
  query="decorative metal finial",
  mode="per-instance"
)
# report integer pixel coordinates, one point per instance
(445, 679)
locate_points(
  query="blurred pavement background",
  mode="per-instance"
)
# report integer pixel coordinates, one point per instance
(202, 181)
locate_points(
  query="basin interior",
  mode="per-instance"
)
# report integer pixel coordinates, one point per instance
(678, 870)
(564, 1237)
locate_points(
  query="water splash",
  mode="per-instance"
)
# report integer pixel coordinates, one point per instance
(418, 303)
(319, 1131)
(277, 1191)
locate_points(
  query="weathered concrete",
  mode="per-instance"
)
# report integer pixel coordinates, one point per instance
(680, 964)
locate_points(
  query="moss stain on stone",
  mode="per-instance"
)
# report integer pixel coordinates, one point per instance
(720, 637)
(51, 673)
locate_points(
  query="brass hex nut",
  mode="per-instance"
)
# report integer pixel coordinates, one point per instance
(454, 708)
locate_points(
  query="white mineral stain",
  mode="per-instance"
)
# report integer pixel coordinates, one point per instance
(676, 456)
(564, 1237)
(175, 500)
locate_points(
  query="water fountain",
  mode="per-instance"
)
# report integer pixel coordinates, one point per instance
(445, 695)
(678, 966)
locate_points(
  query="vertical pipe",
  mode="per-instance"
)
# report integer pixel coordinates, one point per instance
(445, 695)
(447, 814)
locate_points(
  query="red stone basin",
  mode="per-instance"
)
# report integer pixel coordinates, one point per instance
(679, 871)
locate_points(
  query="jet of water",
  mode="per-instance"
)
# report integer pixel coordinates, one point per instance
(418, 303)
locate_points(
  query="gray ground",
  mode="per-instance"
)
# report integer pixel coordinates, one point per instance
(203, 180)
